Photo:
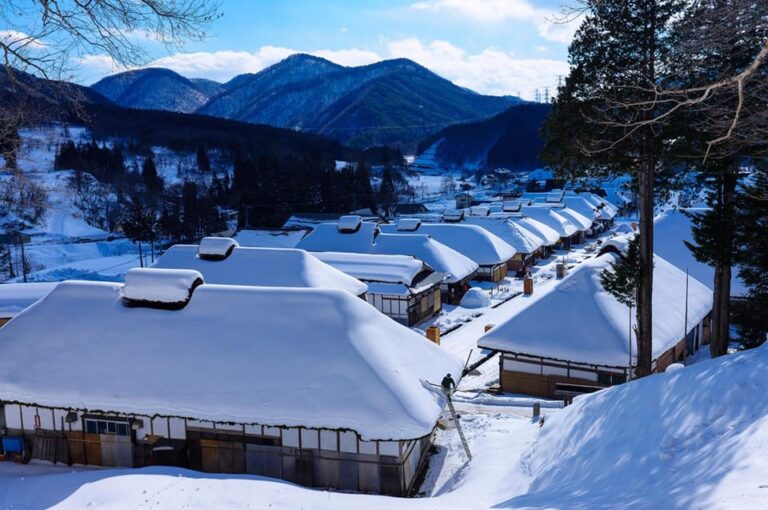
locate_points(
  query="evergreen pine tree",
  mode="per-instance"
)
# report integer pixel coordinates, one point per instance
(615, 57)
(387, 195)
(203, 163)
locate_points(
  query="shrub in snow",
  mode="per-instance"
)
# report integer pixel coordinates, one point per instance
(476, 298)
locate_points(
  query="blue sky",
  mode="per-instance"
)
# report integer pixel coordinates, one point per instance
(492, 46)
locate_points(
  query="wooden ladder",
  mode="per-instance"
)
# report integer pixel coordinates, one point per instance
(458, 427)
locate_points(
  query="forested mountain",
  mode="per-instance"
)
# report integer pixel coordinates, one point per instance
(157, 89)
(394, 102)
(510, 140)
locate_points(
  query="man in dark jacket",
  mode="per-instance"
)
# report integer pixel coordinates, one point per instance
(448, 384)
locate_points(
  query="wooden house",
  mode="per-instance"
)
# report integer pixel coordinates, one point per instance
(457, 269)
(16, 297)
(263, 267)
(565, 229)
(401, 287)
(491, 253)
(349, 234)
(572, 337)
(312, 386)
(550, 237)
(463, 200)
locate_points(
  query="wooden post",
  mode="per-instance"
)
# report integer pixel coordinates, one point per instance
(489, 327)
(536, 410)
(528, 285)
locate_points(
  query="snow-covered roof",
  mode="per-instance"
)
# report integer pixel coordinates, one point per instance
(578, 321)
(479, 210)
(328, 237)
(169, 286)
(349, 223)
(582, 206)
(15, 297)
(266, 267)
(542, 230)
(375, 268)
(471, 241)
(216, 247)
(581, 222)
(438, 256)
(512, 206)
(605, 209)
(555, 196)
(272, 356)
(408, 224)
(514, 234)
(269, 238)
(671, 229)
(552, 219)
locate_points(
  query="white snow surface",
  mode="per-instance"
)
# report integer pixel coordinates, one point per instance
(581, 221)
(545, 232)
(216, 246)
(269, 238)
(514, 234)
(327, 237)
(471, 241)
(375, 268)
(160, 285)
(579, 321)
(266, 267)
(435, 254)
(671, 229)
(476, 298)
(552, 219)
(272, 356)
(15, 297)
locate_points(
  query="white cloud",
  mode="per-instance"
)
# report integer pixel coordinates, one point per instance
(498, 11)
(18, 40)
(491, 71)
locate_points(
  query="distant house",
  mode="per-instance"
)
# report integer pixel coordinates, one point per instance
(348, 234)
(17, 297)
(490, 252)
(550, 237)
(312, 386)
(262, 267)
(584, 224)
(463, 200)
(573, 337)
(457, 268)
(401, 287)
(528, 246)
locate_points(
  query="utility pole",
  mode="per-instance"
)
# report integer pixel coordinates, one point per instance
(559, 81)
(546, 94)
(247, 209)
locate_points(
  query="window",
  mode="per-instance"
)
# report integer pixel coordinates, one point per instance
(610, 379)
(103, 426)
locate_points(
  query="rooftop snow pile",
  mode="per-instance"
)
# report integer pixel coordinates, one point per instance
(470, 240)
(15, 297)
(349, 223)
(271, 356)
(408, 224)
(694, 438)
(552, 219)
(514, 234)
(330, 237)
(216, 247)
(266, 267)
(436, 255)
(169, 286)
(578, 321)
(375, 268)
(671, 230)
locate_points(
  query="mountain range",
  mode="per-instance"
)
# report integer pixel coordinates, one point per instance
(393, 102)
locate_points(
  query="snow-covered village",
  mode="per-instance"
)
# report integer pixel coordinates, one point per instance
(461, 254)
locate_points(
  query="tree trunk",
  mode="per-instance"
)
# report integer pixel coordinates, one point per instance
(141, 256)
(721, 296)
(646, 181)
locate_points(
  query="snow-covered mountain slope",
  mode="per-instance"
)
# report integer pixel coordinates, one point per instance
(157, 89)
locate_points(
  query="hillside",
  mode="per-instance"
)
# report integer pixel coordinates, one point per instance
(509, 140)
(157, 89)
(396, 102)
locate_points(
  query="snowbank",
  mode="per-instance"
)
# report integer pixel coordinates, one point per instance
(694, 438)
(475, 298)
